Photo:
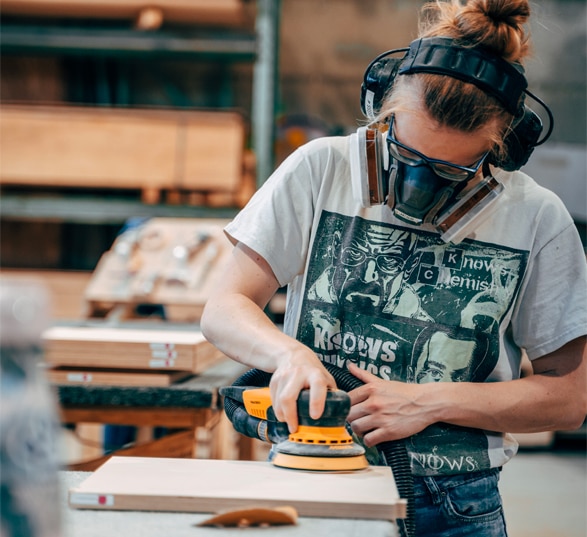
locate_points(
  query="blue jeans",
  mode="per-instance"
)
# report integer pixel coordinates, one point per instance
(459, 505)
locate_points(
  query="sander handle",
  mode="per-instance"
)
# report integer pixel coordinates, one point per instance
(260, 416)
(251, 413)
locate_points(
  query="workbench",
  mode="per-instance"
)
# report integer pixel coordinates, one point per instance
(88, 523)
(181, 407)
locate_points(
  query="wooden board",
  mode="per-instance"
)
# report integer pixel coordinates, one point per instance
(149, 150)
(128, 348)
(183, 11)
(191, 485)
(114, 377)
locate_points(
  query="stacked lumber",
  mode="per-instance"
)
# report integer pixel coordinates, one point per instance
(125, 356)
(165, 155)
(217, 12)
(169, 262)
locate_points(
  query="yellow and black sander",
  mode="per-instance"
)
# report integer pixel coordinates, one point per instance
(323, 444)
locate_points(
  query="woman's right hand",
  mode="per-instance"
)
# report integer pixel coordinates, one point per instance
(235, 322)
(301, 369)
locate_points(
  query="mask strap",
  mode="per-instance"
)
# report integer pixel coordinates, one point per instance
(393, 168)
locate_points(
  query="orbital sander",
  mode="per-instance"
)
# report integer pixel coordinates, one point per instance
(322, 444)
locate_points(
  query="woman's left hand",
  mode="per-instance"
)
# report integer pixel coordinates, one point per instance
(384, 410)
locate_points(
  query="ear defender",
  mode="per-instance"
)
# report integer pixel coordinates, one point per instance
(520, 142)
(377, 82)
(441, 55)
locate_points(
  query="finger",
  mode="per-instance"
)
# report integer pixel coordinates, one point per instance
(291, 418)
(370, 432)
(358, 395)
(319, 386)
(377, 436)
(317, 400)
(361, 374)
(289, 409)
(356, 412)
(285, 406)
(362, 425)
(372, 438)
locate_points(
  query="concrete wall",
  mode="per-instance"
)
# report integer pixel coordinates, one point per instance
(558, 70)
(326, 45)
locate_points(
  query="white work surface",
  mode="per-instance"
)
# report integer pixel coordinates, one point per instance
(92, 523)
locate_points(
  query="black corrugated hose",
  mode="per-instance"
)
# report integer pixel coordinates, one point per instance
(394, 452)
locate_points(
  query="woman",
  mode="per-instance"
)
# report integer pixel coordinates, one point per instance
(434, 330)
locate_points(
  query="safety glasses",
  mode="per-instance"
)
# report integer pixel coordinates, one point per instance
(446, 170)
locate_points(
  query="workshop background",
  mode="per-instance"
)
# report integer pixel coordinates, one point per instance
(321, 49)
(274, 74)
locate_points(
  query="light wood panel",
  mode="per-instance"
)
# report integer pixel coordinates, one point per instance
(149, 150)
(130, 483)
(226, 12)
(126, 348)
(66, 288)
(114, 377)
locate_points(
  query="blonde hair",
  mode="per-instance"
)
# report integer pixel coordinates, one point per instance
(497, 26)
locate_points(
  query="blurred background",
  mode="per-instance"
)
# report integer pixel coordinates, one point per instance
(292, 68)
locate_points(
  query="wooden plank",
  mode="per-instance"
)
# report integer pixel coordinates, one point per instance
(127, 348)
(143, 417)
(221, 140)
(85, 147)
(106, 338)
(199, 391)
(150, 150)
(114, 377)
(119, 360)
(226, 12)
(136, 483)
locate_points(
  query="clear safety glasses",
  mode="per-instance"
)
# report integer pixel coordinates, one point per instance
(446, 170)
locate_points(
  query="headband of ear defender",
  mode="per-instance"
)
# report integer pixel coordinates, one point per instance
(490, 73)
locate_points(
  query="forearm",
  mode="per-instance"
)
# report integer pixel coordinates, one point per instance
(241, 329)
(531, 404)
(553, 398)
(234, 321)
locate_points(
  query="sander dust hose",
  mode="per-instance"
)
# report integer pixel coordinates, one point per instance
(393, 452)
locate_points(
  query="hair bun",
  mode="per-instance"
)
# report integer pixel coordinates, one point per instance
(495, 24)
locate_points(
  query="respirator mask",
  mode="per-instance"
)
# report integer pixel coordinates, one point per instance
(419, 190)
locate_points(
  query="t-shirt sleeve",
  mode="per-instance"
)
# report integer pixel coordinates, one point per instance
(276, 223)
(553, 304)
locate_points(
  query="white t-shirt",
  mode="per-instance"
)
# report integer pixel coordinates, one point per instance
(399, 302)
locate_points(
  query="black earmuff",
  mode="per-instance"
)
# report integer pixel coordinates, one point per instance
(378, 80)
(502, 79)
